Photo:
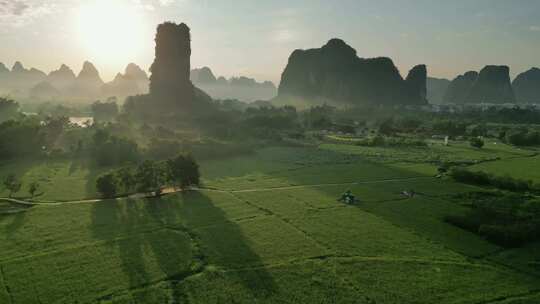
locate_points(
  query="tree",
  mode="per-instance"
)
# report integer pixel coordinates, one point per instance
(184, 171)
(126, 177)
(106, 111)
(9, 109)
(12, 184)
(107, 185)
(33, 188)
(477, 142)
(151, 176)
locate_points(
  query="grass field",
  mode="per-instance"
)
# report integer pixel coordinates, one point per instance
(527, 168)
(59, 179)
(269, 230)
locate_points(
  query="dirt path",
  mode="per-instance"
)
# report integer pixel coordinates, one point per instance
(171, 190)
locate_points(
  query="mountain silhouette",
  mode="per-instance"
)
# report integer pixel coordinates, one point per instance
(491, 85)
(527, 86)
(335, 72)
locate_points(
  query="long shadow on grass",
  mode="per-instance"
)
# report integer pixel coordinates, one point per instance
(189, 212)
(16, 223)
(153, 231)
(117, 223)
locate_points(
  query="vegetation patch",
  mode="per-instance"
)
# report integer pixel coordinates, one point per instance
(508, 220)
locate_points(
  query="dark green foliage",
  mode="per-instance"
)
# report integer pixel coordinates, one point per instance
(163, 148)
(126, 178)
(382, 141)
(523, 137)
(33, 187)
(477, 130)
(12, 184)
(104, 112)
(283, 118)
(184, 171)
(111, 150)
(507, 220)
(387, 127)
(52, 128)
(107, 185)
(484, 179)
(20, 138)
(9, 109)
(477, 142)
(151, 177)
(449, 127)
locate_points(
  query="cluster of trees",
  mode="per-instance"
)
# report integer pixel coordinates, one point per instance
(508, 220)
(476, 142)
(14, 185)
(9, 109)
(385, 141)
(151, 176)
(109, 150)
(105, 111)
(522, 137)
(485, 179)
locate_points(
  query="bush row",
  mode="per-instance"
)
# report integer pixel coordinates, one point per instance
(485, 179)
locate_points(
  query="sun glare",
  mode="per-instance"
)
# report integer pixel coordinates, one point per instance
(111, 31)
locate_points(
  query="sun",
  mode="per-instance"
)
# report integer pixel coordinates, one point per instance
(111, 31)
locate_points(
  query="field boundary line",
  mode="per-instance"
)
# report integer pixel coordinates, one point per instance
(170, 190)
(323, 185)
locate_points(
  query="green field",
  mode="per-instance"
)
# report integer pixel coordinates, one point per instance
(268, 229)
(527, 168)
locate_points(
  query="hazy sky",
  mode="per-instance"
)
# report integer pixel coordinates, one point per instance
(255, 37)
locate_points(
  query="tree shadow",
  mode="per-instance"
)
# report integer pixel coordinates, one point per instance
(16, 223)
(185, 212)
(167, 228)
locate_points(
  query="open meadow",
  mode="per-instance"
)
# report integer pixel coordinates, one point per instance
(265, 228)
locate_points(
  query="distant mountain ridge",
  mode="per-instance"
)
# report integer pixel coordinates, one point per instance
(88, 85)
(491, 85)
(63, 83)
(242, 88)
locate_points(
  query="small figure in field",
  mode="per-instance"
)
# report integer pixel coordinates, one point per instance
(408, 193)
(348, 198)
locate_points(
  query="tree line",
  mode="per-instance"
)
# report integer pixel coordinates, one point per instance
(151, 177)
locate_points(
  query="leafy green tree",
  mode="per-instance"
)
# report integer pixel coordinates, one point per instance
(151, 177)
(126, 177)
(12, 184)
(106, 111)
(184, 171)
(107, 185)
(33, 188)
(9, 109)
(477, 142)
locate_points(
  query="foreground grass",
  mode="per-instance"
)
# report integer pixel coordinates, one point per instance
(255, 243)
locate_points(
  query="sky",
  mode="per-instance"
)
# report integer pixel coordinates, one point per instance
(255, 37)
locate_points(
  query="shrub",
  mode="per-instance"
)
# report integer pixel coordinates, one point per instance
(477, 142)
(12, 184)
(107, 185)
(184, 171)
(484, 179)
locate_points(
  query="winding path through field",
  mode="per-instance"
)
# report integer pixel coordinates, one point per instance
(171, 190)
